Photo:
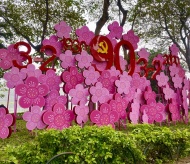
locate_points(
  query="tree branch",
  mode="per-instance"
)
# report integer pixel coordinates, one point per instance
(124, 12)
(104, 18)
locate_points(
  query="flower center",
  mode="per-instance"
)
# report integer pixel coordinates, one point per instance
(73, 80)
(59, 120)
(104, 119)
(50, 81)
(80, 94)
(35, 118)
(68, 59)
(15, 78)
(98, 92)
(32, 93)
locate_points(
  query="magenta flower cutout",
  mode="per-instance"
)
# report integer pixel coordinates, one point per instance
(31, 93)
(115, 30)
(14, 77)
(91, 76)
(59, 118)
(122, 86)
(173, 70)
(149, 94)
(119, 105)
(177, 81)
(155, 111)
(162, 79)
(105, 116)
(34, 118)
(108, 81)
(113, 71)
(82, 113)
(143, 53)
(51, 80)
(84, 59)
(79, 94)
(71, 79)
(174, 50)
(6, 120)
(139, 82)
(174, 110)
(84, 34)
(168, 93)
(132, 38)
(53, 98)
(99, 93)
(31, 71)
(8, 55)
(63, 30)
(68, 59)
(53, 41)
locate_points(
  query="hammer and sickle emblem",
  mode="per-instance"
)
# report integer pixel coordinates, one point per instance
(103, 47)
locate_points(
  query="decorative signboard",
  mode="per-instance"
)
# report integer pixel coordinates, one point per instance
(93, 82)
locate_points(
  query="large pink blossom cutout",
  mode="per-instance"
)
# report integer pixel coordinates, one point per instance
(162, 79)
(91, 76)
(177, 81)
(143, 53)
(174, 50)
(68, 59)
(63, 30)
(71, 79)
(82, 113)
(173, 70)
(53, 41)
(132, 38)
(115, 30)
(79, 94)
(168, 93)
(139, 82)
(31, 71)
(59, 118)
(51, 80)
(99, 93)
(149, 94)
(84, 34)
(119, 105)
(53, 98)
(84, 59)
(122, 86)
(14, 77)
(105, 116)
(6, 120)
(100, 66)
(113, 71)
(31, 93)
(34, 118)
(155, 111)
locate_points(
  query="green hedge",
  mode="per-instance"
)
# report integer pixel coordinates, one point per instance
(91, 144)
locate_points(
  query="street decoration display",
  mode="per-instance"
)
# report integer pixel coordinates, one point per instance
(89, 79)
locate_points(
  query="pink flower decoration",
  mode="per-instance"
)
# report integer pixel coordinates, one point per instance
(105, 116)
(119, 105)
(100, 66)
(53, 41)
(174, 109)
(125, 76)
(162, 79)
(174, 50)
(6, 120)
(79, 94)
(122, 86)
(112, 40)
(91, 76)
(115, 30)
(8, 55)
(134, 115)
(34, 118)
(59, 118)
(14, 77)
(85, 34)
(149, 94)
(173, 70)
(71, 79)
(68, 59)
(177, 81)
(130, 96)
(138, 82)
(84, 59)
(143, 54)
(99, 94)
(82, 113)
(107, 81)
(186, 84)
(53, 98)
(132, 38)
(63, 30)
(31, 71)
(51, 80)
(31, 93)
(155, 111)
(123, 63)
(113, 71)
(168, 93)
(181, 72)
